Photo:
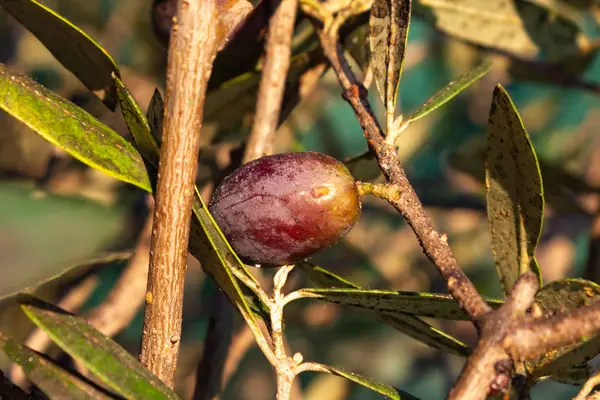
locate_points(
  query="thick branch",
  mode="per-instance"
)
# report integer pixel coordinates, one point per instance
(533, 338)
(272, 83)
(489, 359)
(191, 52)
(404, 199)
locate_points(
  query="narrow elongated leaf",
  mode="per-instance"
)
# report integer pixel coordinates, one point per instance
(137, 123)
(555, 298)
(378, 387)
(452, 89)
(71, 128)
(52, 379)
(389, 23)
(416, 303)
(405, 323)
(515, 196)
(519, 27)
(72, 47)
(44, 235)
(420, 330)
(112, 364)
(155, 115)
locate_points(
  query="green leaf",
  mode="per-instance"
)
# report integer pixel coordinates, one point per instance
(137, 123)
(209, 246)
(325, 278)
(452, 89)
(425, 333)
(155, 115)
(515, 196)
(573, 376)
(519, 27)
(555, 298)
(71, 128)
(112, 364)
(72, 47)
(405, 323)
(381, 388)
(389, 23)
(52, 379)
(44, 235)
(415, 303)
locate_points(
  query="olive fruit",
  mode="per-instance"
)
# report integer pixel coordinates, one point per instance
(281, 209)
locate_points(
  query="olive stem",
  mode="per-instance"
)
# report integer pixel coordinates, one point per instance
(386, 191)
(285, 365)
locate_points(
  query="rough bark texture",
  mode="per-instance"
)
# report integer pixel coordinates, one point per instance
(191, 52)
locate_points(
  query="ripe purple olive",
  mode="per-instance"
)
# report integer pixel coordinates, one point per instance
(281, 209)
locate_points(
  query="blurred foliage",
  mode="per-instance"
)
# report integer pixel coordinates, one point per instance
(55, 207)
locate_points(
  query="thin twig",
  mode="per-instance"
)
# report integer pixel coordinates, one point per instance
(404, 198)
(272, 83)
(192, 50)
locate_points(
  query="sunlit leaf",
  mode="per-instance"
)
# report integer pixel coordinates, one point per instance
(71, 128)
(137, 123)
(515, 196)
(452, 89)
(52, 379)
(108, 361)
(555, 298)
(44, 235)
(72, 47)
(389, 23)
(519, 27)
(415, 303)
(388, 391)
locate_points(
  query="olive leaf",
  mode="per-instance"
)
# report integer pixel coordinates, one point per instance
(405, 323)
(72, 47)
(155, 115)
(389, 23)
(388, 391)
(137, 123)
(515, 196)
(520, 27)
(423, 304)
(53, 380)
(452, 89)
(71, 128)
(559, 297)
(108, 361)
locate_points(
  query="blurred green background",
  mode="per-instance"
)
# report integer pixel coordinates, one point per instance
(56, 211)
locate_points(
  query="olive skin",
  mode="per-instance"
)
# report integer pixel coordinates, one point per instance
(281, 209)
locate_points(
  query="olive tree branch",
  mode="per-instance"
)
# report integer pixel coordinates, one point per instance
(192, 50)
(272, 83)
(401, 194)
